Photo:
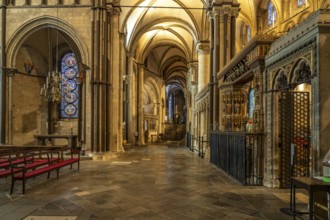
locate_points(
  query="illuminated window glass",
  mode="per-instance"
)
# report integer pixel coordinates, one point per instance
(248, 33)
(301, 2)
(251, 103)
(271, 14)
(69, 71)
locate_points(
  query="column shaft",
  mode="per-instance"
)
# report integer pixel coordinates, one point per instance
(2, 74)
(132, 116)
(211, 73)
(140, 106)
(203, 65)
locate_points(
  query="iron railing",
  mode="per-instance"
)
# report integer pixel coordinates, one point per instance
(201, 144)
(239, 154)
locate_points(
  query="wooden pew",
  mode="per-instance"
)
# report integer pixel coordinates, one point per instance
(26, 173)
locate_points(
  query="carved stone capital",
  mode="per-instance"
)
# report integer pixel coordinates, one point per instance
(203, 48)
(193, 66)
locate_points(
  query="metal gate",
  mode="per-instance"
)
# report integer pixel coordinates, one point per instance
(294, 135)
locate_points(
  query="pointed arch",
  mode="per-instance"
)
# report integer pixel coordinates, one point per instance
(71, 34)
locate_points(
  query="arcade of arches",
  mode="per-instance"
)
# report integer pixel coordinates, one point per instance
(243, 74)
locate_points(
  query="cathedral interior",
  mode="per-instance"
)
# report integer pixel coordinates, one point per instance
(244, 85)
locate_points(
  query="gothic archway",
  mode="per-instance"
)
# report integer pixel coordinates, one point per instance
(55, 38)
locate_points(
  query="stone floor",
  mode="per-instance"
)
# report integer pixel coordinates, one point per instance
(150, 182)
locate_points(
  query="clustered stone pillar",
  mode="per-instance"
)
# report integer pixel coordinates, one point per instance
(99, 80)
(105, 80)
(223, 26)
(116, 79)
(140, 105)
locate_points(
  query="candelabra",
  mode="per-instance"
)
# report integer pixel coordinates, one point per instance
(52, 91)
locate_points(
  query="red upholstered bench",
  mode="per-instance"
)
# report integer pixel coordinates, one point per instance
(27, 174)
(12, 158)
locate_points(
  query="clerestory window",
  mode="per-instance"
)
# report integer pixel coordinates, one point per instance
(271, 14)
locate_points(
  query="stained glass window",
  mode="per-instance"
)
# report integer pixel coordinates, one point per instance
(69, 102)
(271, 14)
(301, 2)
(248, 33)
(251, 103)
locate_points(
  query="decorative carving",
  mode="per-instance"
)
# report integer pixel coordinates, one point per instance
(302, 73)
(237, 71)
(281, 81)
(233, 112)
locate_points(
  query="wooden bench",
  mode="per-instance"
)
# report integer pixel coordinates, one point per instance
(26, 173)
(30, 160)
(13, 157)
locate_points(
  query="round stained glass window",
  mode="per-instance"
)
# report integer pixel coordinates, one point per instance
(70, 73)
(70, 97)
(70, 109)
(70, 85)
(70, 61)
(70, 89)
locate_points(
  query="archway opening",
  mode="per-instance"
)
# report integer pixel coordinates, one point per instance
(175, 118)
(31, 112)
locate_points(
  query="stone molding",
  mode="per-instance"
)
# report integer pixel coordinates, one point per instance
(19, 35)
(286, 65)
(249, 59)
(318, 18)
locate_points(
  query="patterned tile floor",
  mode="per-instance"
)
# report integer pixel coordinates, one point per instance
(149, 182)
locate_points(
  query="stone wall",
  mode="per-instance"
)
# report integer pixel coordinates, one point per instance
(28, 109)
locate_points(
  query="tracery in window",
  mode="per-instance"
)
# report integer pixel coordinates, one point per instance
(271, 14)
(69, 102)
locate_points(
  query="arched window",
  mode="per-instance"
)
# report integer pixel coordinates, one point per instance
(251, 103)
(69, 71)
(248, 33)
(301, 2)
(271, 14)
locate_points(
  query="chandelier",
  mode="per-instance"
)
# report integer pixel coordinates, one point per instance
(52, 89)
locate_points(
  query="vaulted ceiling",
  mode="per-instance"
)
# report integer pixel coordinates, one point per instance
(167, 31)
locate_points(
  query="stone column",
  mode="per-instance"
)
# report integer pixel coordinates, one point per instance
(140, 105)
(216, 67)
(203, 50)
(211, 88)
(162, 108)
(194, 122)
(233, 36)
(122, 88)
(115, 98)
(222, 41)
(100, 79)
(192, 71)
(2, 72)
(225, 30)
(132, 103)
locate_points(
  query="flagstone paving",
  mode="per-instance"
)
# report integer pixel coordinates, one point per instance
(146, 182)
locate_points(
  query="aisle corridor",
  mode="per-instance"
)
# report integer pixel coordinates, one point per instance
(152, 182)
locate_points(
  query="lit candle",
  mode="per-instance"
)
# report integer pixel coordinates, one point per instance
(41, 91)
